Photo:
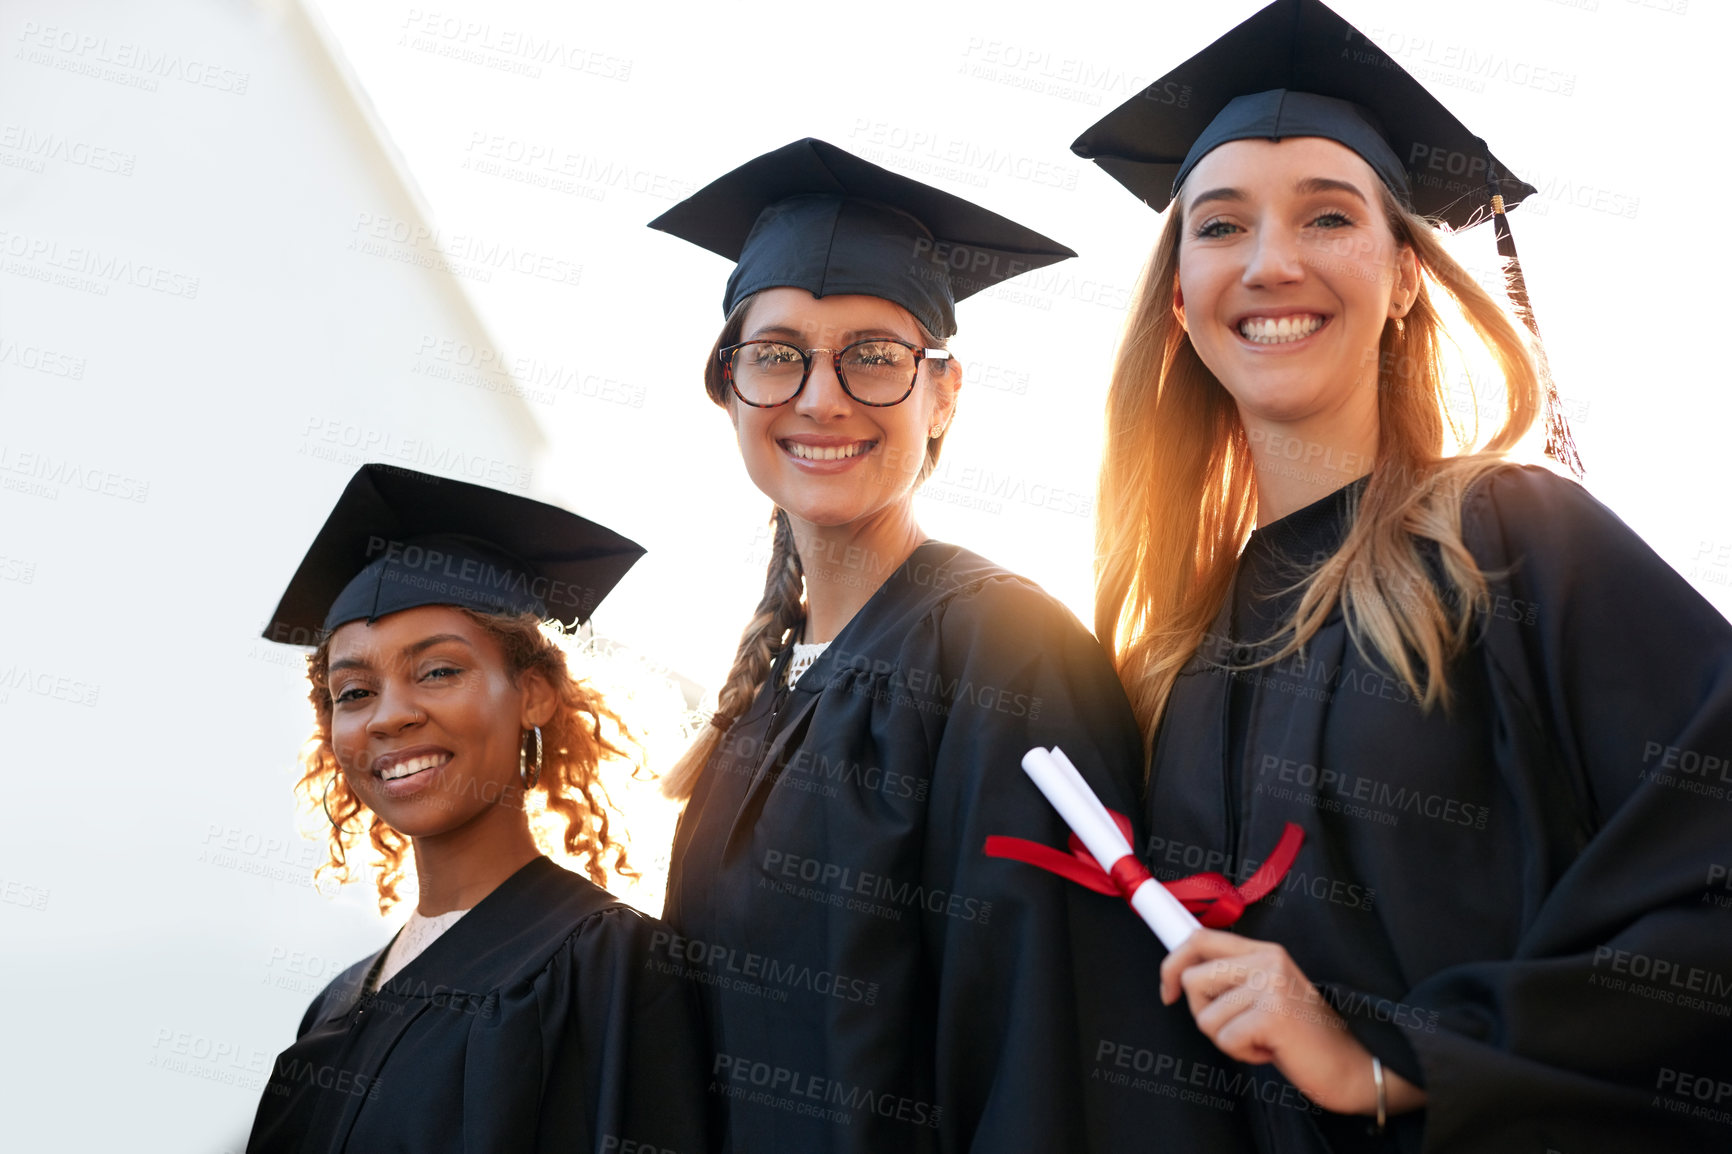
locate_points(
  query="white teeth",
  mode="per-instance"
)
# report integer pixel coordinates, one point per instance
(827, 452)
(1270, 331)
(414, 765)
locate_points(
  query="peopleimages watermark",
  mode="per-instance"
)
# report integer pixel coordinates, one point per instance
(1690, 770)
(300, 972)
(39, 359)
(208, 1059)
(21, 678)
(287, 860)
(932, 690)
(863, 891)
(502, 48)
(551, 166)
(30, 897)
(1458, 65)
(747, 972)
(1274, 772)
(37, 147)
(1698, 1095)
(1718, 877)
(40, 474)
(460, 254)
(437, 568)
(814, 1095)
(615, 1144)
(123, 62)
(17, 569)
(1200, 1083)
(807, 770)
(1171, 860)
(530, 377)
(1081, 80)
(932, 152)
(1662, 980)
(290, 1070)
(348, 445)
(90, 269)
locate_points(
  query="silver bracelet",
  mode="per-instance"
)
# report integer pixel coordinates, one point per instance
(1382, 1092)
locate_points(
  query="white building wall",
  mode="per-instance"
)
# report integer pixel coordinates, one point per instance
(213, 307)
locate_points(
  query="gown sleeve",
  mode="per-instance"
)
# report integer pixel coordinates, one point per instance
(1608, 1028)
(615, 1045)
(1035, 977)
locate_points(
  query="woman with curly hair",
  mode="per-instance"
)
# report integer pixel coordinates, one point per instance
(1494, 712)
(520, 1008)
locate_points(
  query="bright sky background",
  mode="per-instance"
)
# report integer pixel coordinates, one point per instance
(118, 814)
(986, 106)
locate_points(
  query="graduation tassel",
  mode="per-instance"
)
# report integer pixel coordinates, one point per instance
(1560, 445)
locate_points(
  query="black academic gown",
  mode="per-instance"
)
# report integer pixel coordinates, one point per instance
(535, 1023)
(1511, 902)
(874, 981)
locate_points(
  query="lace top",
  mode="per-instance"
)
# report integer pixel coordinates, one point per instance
(804, 655)
(417, 934)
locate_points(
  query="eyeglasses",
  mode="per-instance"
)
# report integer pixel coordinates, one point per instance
(878, 371)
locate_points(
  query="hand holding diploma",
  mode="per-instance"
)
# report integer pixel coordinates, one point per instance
(1247, 996)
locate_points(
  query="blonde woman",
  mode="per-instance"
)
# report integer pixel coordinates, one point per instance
(1492, 709)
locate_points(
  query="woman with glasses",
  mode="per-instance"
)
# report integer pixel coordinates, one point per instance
(1501, 720)
(874, 981)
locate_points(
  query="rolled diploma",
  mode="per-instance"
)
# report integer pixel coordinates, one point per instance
(1054, 775)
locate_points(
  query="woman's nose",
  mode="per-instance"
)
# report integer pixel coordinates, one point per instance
(394, 710)
(1274, 259)
(823, 394)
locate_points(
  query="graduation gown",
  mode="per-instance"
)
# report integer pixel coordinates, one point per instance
(535, 1023)
(874, 982)
(1511, 902)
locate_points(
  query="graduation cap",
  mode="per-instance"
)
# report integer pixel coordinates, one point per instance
(1296, 68)
(810, 215)
(398, 539)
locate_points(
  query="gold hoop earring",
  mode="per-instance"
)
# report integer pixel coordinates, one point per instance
(529, 779)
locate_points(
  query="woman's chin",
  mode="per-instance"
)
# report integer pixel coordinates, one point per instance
(826, 514)
(426, 816)
(1277, 403)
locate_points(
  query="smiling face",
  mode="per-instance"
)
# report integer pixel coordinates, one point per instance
(1288, 272)
(426, 719)
(825, 458)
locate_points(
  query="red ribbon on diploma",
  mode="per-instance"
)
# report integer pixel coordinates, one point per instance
(1215, 901)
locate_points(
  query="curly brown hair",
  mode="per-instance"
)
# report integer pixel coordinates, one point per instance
(570, 786)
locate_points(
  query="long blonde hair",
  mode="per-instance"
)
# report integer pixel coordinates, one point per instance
(1178, 493)
(782, 609)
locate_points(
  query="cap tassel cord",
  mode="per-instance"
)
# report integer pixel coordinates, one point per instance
(1560, 444)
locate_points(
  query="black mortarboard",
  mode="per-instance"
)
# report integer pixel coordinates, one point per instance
(398, 539)
(810, 215)
(1296, 68)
